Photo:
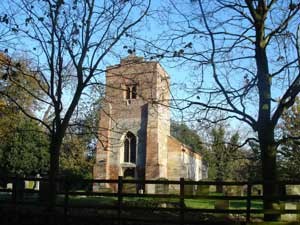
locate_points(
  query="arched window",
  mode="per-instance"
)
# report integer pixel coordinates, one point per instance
(130, 148)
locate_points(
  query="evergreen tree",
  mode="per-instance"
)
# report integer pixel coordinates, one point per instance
(187, 136)
(289, 158)
(226, 160)
(23, 144)
(24, 150)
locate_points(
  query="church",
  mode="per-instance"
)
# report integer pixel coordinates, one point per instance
(134, 128)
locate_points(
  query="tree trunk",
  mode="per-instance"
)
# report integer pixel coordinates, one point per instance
(265, 127)
(269, 173)
(55, 145)
(219, 188)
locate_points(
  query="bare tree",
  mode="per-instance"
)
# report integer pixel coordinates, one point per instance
(245, 58)
(68, 43)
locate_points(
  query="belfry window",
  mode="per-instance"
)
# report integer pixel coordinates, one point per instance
(128, 92)
(131, 92)
(130, 148)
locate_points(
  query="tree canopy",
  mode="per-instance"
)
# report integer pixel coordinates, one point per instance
(245, 56)
(289, 157)
(23, 143)
(187, 136)
(24, 151)
(69, 43)
(227, 161)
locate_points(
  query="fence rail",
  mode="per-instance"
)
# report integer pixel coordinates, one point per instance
(122, 199)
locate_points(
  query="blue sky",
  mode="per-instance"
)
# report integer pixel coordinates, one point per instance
(154, 27)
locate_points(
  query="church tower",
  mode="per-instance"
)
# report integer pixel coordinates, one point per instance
(134, 121)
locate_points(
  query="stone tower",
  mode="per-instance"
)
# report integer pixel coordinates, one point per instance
(134, 121)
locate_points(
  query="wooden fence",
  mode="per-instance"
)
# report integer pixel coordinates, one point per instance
(183, 191)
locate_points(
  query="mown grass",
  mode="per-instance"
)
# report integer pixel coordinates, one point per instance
(83, 200)
(152, 202)
(89, 201)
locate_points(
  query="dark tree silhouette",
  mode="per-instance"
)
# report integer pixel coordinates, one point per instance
(245, 56)
(68, 43)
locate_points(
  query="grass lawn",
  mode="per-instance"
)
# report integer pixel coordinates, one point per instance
(155, 202)
(138, 201)
(85, 204)
(200, 204)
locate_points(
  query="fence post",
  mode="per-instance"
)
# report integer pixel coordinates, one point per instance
(249, 192)
(18, 189)
(14, 189)
(181, 203)
(120, 187)
(66, 202)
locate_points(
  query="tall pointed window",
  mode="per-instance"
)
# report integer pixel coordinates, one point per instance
(133, 92)
(128, 92)
(130, 148)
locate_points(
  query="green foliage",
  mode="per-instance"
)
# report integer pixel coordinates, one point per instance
(187, 136)
(226, 161)
(25, 150)
(289, 159)
(23, 144)
(77, 155)
(19, 86)
(218, 155)
(74, 162)
(89, 128)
